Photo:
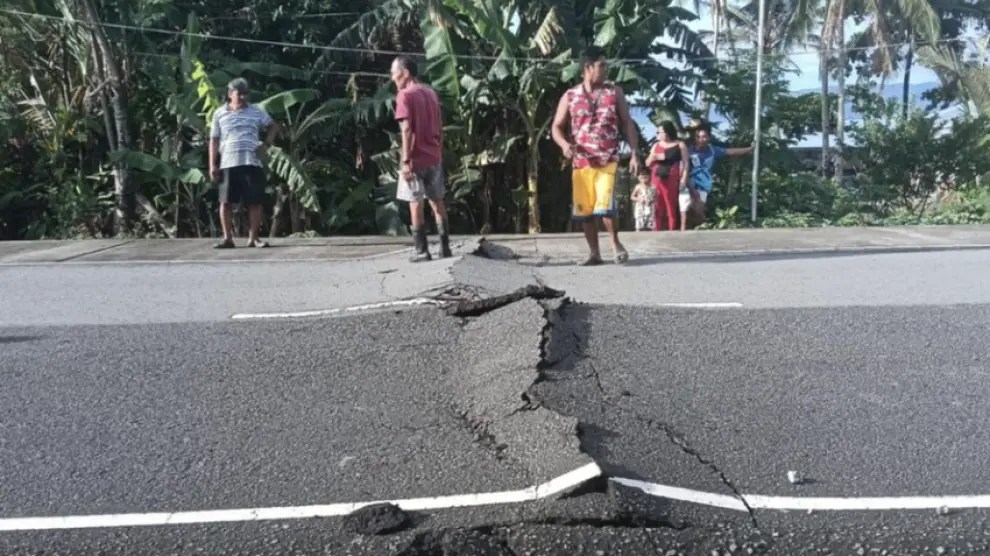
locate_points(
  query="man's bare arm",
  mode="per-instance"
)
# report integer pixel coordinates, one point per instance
(407, 140)
(739, 151)
(405, 152)
(685, 163)
(214, 149)
(628, 126)
(557, 130)
(274, 131)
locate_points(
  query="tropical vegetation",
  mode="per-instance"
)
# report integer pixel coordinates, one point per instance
(105, 107)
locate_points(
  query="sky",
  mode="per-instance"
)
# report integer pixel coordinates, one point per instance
(807, 58)
(804, 75)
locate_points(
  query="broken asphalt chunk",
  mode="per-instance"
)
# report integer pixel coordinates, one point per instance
(377, 519)
(474, 308)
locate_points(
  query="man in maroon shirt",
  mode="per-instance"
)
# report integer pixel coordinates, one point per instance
(417, 108)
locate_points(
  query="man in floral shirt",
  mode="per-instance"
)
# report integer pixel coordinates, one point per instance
(596, 110)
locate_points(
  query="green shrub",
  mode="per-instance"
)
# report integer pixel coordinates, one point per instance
(786, 219)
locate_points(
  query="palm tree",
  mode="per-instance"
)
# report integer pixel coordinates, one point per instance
(789, 23)
(893, 25)
(917, 16)
(971, 78)
(833, 33)
(824, 51)
(718, 10)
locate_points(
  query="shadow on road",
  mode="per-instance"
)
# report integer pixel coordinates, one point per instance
(742, 257)
(18, 339)
(784, 256)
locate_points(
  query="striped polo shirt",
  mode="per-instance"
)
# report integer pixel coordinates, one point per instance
(239, 134)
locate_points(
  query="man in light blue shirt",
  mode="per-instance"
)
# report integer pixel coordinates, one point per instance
(234, 136)
(703, 156)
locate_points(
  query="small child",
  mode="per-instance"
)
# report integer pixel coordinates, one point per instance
(645, 198)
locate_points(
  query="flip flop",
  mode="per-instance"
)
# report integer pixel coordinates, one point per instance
(621, 256)
(258, 243)
(592, 261)
(225, 244)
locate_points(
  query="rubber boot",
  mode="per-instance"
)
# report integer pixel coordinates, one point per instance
(422, 246)
(444, 240)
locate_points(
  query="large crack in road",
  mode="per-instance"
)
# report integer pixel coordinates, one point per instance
(561, 390)
(499, 400)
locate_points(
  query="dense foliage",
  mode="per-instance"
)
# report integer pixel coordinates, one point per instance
(104, 108)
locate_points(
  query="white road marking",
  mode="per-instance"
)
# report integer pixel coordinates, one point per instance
(530, 494)
(878, 503)
(722, 305)
(685, 495)
(355, 308)
(808, 503)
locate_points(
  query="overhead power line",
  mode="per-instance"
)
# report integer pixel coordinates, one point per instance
(374, 51)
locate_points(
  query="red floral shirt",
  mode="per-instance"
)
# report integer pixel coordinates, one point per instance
(594, 125)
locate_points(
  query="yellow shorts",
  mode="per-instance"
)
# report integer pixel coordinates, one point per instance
(593, 191)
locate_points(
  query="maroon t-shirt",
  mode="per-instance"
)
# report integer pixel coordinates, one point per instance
(420, 105)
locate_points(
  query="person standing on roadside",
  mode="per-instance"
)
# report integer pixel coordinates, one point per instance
(595, 110)
(703, 156)
(234, 137)
(421, 176)
(668, 159)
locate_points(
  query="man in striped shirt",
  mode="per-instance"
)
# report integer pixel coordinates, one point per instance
(234, 137)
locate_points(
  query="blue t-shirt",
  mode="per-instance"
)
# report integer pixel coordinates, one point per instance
(702, 166)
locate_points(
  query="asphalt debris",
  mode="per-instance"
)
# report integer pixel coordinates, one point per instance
(478, 307)
(377, 519)
(482, 541)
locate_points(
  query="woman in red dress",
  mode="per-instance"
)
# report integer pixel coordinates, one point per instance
(668, 162)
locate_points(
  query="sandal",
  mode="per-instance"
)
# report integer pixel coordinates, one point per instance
(593, 260)
(621, 256)
(225, 244)
(258, 243)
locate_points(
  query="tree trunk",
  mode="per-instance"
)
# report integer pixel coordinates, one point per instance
(840, 121)
(706, 103)
(532, 182)
(487, 176)
(908, 62)
(107, 117)
(112, 74)
(177, 220)
(823, 64)
(277, 211)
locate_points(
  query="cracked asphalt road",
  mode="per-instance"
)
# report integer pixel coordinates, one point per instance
(232, 415)
(863, 401)
(129, 403)
(208, 292)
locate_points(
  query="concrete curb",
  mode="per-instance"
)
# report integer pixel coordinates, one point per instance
(734, 243)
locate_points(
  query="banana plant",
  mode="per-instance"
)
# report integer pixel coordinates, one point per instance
(515, 78)
(178, 179)
(528, 48)
(292, 166)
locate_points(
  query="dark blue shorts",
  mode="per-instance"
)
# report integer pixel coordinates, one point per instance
(243, 185)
